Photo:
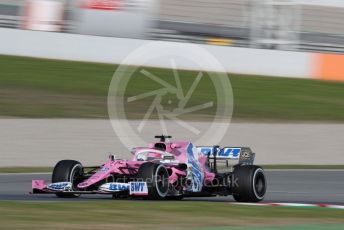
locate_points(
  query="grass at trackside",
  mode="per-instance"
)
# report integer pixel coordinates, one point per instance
(25, 169)
(288, 227)
(50, 169)
(41, 88)
(157, 215)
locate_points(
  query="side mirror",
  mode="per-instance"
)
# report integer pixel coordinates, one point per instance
(112, 157)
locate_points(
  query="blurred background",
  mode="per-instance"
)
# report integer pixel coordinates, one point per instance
(284, 58)
(285, 63)
(307, 25)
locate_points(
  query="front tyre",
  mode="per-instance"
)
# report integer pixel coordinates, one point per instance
(67, 171)
(156, 177)
(248, 183)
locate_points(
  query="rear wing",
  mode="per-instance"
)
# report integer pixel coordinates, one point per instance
(244, 155)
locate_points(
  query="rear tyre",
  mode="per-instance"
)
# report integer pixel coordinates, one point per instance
(156, 177)
(67, 171)
(248, 183)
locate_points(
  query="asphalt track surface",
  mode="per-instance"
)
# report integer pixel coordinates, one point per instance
(43, 142)
(296, 186)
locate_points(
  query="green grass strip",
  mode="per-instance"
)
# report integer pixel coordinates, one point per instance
(114, 214)
(40, 88)
(288, 227)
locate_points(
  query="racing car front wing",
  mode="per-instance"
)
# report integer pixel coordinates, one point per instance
(134, 188)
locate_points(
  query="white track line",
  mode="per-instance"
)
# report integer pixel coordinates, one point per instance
(304, 170)
(292, 205)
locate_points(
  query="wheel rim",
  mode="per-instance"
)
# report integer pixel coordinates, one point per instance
(259, 184)
(161, 181)
(75, 173)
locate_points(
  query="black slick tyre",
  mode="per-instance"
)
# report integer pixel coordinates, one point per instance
(248, 183)
(67, 171)
(156, 177)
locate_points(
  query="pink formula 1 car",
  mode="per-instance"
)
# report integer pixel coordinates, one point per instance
(163, 170)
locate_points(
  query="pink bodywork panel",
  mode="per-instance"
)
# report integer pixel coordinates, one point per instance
(177, 148)
(208, 176)
(117, 166)
(175, 175)
(38, 184)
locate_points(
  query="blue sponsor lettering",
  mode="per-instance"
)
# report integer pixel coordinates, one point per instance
(229, 152)
(137, 186)
(222, 152)
(118, 187)
(196, 172)
(207, 150)
(60, 186)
